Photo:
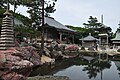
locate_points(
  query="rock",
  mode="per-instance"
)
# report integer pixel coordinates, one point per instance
(47, 52)
(56, 54)
(2, 58)
(61, 47)
(17, 58)
(45, 59)
(13, 76)
(52, 46)
(72, 47)
(48, 78)
(22, 64)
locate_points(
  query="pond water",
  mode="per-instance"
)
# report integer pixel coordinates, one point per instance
(87, 68)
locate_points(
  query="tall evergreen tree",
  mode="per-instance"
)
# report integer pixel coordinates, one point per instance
(35, 10)
(92, 23)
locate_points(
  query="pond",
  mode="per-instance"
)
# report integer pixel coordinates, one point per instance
(86, 68)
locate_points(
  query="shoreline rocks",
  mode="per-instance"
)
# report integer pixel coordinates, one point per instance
(48, 78)
(16, 63)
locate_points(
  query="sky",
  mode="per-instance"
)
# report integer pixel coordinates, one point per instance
(77, 12)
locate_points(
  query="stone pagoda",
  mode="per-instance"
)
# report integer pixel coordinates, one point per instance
(7, 32)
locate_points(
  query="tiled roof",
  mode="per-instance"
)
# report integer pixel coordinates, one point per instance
(53, 23)
(89, 38)
(117, 37)
(18, 22)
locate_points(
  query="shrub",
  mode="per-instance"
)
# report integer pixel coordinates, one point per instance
(118, 50)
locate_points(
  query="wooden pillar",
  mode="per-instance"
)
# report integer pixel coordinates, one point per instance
(113, 46)
(99, 41)
(60, 36)
(46, 34)
(107, 41)
(99, 56)
(73, 39)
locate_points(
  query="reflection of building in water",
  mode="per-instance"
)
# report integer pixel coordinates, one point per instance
(117, 63)
(88, 58)
(95, 66)
(89, 41)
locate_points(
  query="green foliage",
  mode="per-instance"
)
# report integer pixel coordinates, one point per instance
(2, 10)
(92, 23)
(104, 29)
(83, 32)
(20, 17)
(27, 31)
(82, 48)
(24, 19)
(118, 50)
(18, 2)
(35, 10)
(96, 27)
(24, 31)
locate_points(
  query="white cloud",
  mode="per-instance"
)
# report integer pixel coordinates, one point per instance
(21, 9)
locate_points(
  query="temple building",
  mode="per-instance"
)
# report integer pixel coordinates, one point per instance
(89, 41)
(54, 30)
(104, 39)
(116, 40)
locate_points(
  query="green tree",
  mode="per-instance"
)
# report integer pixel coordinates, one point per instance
(35, 10)
(92, 23)
(82, 32)
(27, 32)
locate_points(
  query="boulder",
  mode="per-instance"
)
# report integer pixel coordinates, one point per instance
(45, 59)
(48, 78)
(17, 58)
(12, 76)
(72, 47)
(57, 55)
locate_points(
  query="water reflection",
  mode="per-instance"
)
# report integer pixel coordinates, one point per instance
(117, 63)
(96, 66)
(86, 68)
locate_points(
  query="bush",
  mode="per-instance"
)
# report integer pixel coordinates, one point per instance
(82, 48)
(118, 50)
